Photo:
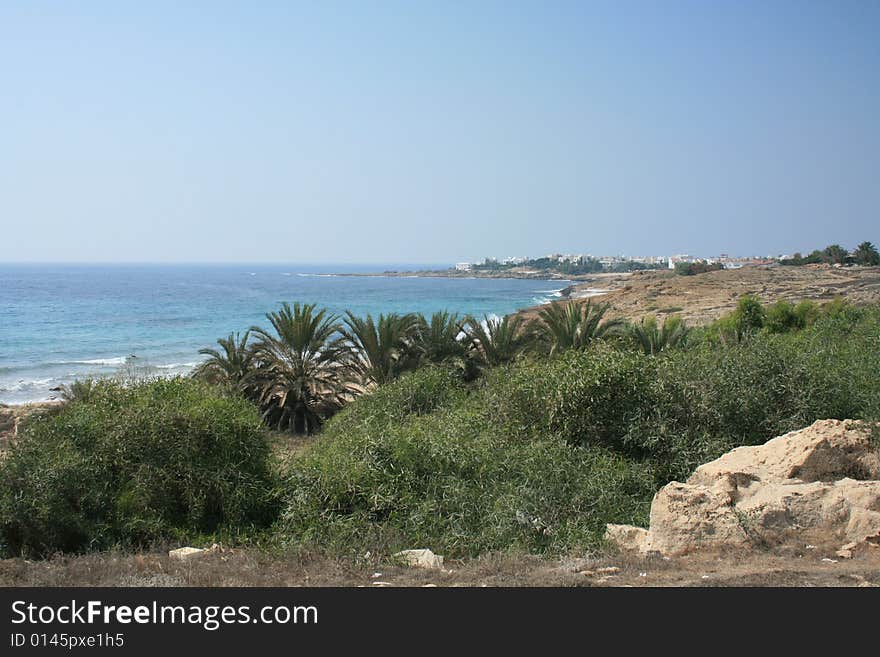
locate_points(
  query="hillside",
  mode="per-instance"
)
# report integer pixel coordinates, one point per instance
(705, 297)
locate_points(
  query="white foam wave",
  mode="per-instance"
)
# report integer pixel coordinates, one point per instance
(117, 360)
(26, 385)
(176, 366)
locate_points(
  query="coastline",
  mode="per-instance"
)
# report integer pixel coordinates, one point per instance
(110, 315)
(455, 273)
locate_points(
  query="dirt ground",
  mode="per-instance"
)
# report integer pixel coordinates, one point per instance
(705, 297)
(806, 566)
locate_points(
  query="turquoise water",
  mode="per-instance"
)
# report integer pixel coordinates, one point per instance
(62, 322)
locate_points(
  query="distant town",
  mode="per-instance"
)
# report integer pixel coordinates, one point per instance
(587, 263)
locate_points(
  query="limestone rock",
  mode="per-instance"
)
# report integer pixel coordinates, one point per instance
(822, 482)
(626, 536)
(186, 553)
(421, 559)
(827, 450)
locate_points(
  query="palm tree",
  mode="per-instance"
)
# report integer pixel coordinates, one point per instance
(573, 325)
(300, 375)
(380, 351)
(835, 254)
(867, 254)
(494, 341)
(233, 365)
(652, 339)
(440, 339)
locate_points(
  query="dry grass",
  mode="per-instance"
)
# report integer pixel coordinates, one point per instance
(784, 567)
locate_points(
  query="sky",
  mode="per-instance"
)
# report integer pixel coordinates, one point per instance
(435, 132)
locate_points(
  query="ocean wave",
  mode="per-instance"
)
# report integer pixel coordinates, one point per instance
(174, 366)
(116, 360)
(27, 385)
(103, 362)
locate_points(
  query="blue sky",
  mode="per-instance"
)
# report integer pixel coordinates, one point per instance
(435, 132)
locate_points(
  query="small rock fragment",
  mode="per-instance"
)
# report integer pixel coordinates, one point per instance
(421, 559)
(186, 553)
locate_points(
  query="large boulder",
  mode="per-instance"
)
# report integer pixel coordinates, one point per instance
(819, 484)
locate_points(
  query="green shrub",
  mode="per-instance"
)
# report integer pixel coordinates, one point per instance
(806, 312)
(132, 465)
(749, 314)
(427, 389)
(781, 318)
(590, 397)
(456, 481)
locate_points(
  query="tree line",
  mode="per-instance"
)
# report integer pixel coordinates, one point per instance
(864, 254)
(310, 362)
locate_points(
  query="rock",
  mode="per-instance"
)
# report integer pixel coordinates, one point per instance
(607, 570)
(186, 553)
(821, 482)
(846, 552)
(421, 559)
(686, 517)
(827, 450)
(626, 536)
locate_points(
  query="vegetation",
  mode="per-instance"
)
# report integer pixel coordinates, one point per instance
(541, 453)
(567, 266)
(459, 435)
(300, 374)
(867, 254)
(381, 351)
(79, 390)
(572, 325)
(131, 465)
(697, 267)
(652, 338)
(440, 339)
(234, 366)
(864, 254)
(495, 341)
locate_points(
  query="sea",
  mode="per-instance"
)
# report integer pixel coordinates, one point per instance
(63, 322)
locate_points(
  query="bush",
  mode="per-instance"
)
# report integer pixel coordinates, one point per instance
(132, 465)
(588, 397)
(454, 480)
(698, 267)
